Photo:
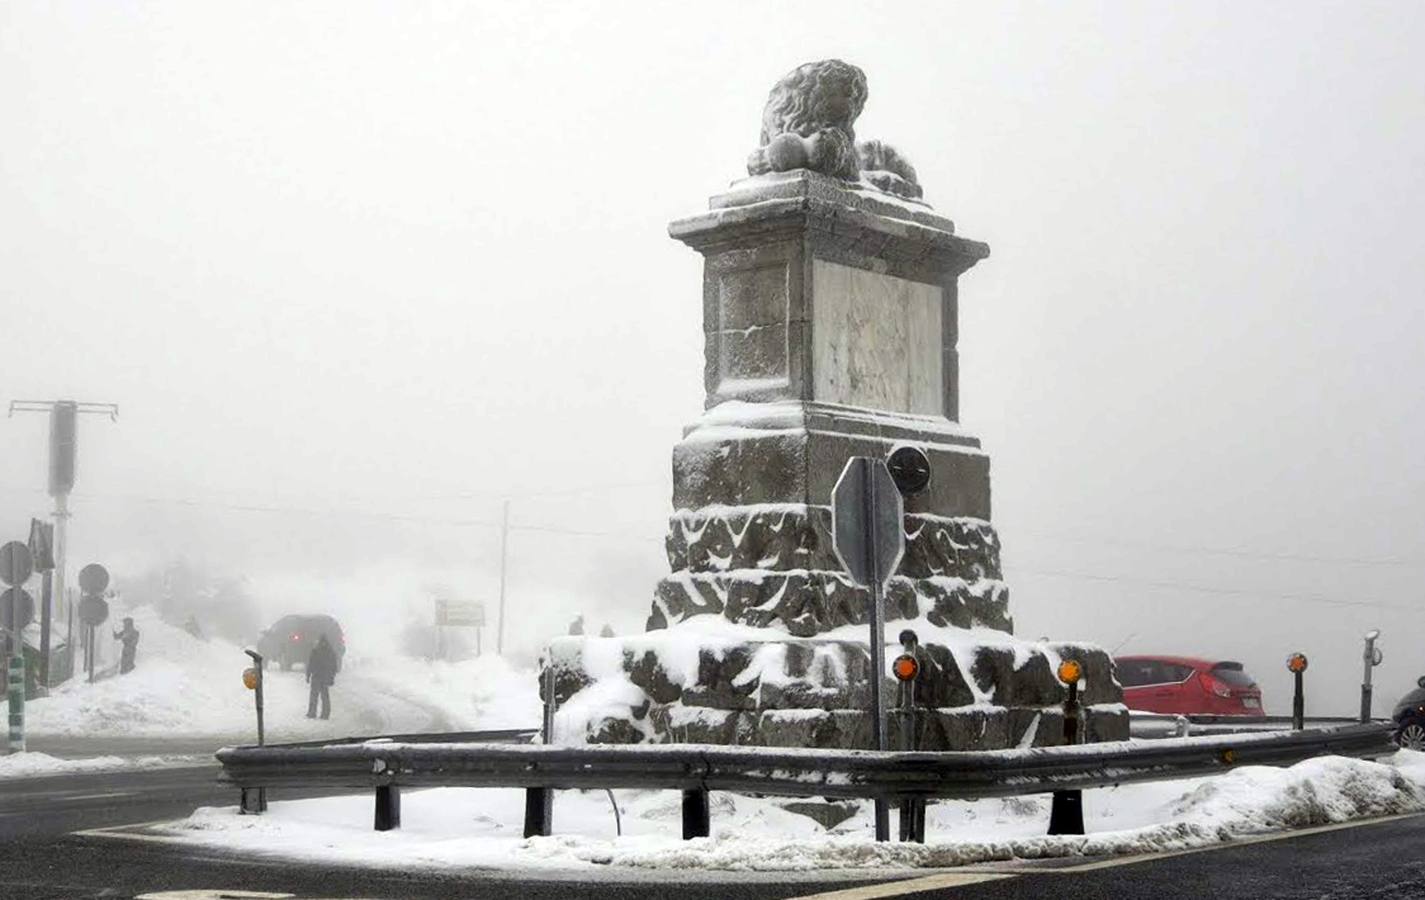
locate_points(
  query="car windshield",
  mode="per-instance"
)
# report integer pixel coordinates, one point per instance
(1232, 674)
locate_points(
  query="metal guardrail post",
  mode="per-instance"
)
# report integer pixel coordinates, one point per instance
(536, 812)
(697, 814)
(1296, 664)
(539, 801)
(16, 678)
(388, 807)
(906, 668)
(1066, 812)
(1372, 657)
(253, 801)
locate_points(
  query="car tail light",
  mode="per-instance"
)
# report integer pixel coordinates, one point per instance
(1216, 686)
(296, 637)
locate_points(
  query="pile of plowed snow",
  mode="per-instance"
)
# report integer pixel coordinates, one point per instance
(464, 827)
(186, 686)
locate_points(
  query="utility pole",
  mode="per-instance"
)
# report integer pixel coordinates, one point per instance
(63, 435)
(504, 557)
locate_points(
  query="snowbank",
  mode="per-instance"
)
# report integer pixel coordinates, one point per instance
(460, 827)
(36, 765)
(183, 686)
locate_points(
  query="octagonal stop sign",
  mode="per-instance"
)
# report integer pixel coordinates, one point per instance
(867, 521)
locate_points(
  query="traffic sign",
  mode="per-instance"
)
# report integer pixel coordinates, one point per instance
(470, 613)
(42, 545)
(93, 610)
(16, 566)
(17, 609)
(868, 534)
(93, 578)
(867, 521)
(910, 468)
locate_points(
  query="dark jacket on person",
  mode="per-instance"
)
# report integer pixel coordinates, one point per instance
(322, 664)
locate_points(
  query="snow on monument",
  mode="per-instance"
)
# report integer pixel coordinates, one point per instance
(830, 300)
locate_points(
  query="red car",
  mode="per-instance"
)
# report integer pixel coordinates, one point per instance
(1186, 686)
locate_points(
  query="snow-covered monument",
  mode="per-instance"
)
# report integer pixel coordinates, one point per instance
(830, 298)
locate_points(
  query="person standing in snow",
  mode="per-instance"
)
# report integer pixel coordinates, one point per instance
(130, 636)
(321, 675)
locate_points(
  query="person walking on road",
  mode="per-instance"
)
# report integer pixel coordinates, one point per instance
(130, 636)
(321, 675)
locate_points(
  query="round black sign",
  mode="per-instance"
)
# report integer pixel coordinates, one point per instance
(910, 468)
(93, 578)
(16, 566)
(17, 609)
(93, 610)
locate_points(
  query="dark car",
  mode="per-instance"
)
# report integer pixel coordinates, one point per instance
(291, 639)
(1186, 686)
(1409, 719)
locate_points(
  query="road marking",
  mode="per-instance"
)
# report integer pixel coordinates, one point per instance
(909, 886)
(210, 894)
(127, 833)
(1224, 845)
(65, 798)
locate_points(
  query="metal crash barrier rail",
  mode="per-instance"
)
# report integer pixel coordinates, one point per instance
(1162, 725)
(696, 769)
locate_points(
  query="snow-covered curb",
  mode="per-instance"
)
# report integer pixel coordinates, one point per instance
(461, 827)
(37, 765)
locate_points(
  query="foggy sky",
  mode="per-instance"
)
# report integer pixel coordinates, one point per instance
(356, 271)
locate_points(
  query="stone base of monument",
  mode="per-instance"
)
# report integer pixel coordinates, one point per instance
(706, 681)
(830, 297)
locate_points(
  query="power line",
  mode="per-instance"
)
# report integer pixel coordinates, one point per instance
(1221, 591)
(637, 536)
(1223, 551)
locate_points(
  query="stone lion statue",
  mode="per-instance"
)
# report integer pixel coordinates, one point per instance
(810, 123)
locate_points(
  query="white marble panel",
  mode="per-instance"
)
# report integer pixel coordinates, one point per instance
(877, 340)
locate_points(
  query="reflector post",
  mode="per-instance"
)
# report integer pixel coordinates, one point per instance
(1071, 671)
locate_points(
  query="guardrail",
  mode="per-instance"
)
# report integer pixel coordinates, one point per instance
(1162, 725)
(696, 769)
(489, 736)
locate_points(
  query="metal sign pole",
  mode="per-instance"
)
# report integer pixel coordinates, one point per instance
(46, 622)
(877, 640)
(504, 560)
(61, 542)
(1372, 658)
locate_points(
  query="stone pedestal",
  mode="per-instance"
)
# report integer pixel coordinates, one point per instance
(830, 319)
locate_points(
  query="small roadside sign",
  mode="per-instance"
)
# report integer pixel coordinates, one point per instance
(93, 611)
(93, 578)
(16, 566)
(42, 545)
(17, 609)
(459, 613)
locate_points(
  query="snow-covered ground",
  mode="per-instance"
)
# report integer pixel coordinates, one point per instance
(36, 765)
(184, 686)
(458, 827)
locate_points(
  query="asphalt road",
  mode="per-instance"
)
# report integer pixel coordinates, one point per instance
(41, 856)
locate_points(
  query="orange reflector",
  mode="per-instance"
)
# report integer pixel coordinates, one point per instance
(249, 679)
(1296, 662)
(1227, 756)
(905, 667)
(1071, 671)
